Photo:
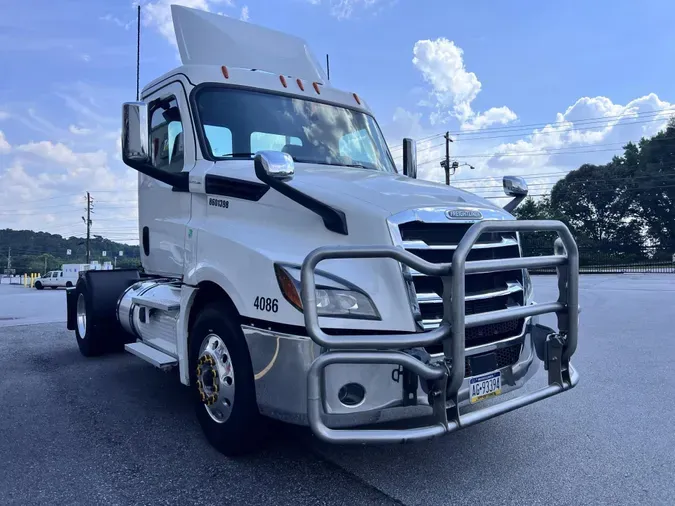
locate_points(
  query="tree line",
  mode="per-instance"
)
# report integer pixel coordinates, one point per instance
(623, 210)
(41, 251)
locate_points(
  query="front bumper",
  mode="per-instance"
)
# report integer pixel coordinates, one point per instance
(282, 362)
(444, 380)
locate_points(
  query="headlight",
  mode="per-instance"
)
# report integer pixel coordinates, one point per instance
(527, 286)
(334, 297)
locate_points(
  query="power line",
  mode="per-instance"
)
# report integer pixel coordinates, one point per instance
(569, 125)
(583, 122)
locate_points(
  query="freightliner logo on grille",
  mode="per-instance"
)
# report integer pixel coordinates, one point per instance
(463, 214)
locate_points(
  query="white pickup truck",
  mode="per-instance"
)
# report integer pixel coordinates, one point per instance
(253, 170)
(56, 279)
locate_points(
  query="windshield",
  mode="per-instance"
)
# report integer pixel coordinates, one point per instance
(238, 123)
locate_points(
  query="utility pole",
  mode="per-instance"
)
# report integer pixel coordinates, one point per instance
(9, 260)
(87, 221)
(45, 262)
(446, 163)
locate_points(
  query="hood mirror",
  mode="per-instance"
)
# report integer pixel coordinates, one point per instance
(515, 186)
(409, 158)
(275, 164)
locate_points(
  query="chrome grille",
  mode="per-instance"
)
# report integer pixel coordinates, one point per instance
(436, 243)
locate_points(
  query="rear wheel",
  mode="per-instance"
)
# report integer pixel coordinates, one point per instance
(90, 339)
(221, 378)
(69, 284)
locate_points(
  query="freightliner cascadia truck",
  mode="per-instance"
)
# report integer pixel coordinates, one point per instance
(291, 271)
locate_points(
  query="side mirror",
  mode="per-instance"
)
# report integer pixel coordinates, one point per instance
(515, 186)
(409, 158)
(136, 146)
(135, 134)
(275, 164)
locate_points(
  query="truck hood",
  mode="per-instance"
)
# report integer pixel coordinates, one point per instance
(391, 192)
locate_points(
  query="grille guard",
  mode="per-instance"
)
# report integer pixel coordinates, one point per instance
(445, 377)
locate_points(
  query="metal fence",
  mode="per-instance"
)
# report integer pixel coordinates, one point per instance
(607, 258)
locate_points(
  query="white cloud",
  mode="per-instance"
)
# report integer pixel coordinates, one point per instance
(5, 147)
(85, 57)
(117, 21)
(453, 87)
(344, 9)
(244, 13)
(588, 122)
(158, 13)
(494, 116)
(47, 170)
(4, 115)
(64, 156)
(76, 130)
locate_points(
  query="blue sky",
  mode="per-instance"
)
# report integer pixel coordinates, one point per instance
(424, 67)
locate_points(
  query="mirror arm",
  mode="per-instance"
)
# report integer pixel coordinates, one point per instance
(514, 203)
(334, 219)
(179, 181)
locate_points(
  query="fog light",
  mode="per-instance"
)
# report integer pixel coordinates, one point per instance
(351, 394)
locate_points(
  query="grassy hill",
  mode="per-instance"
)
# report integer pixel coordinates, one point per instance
(40, 251)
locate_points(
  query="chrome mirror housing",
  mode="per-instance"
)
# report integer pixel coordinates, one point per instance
(515, 186)
(276, 164)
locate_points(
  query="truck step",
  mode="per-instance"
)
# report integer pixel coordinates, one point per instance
(157, 358)
(161, 304)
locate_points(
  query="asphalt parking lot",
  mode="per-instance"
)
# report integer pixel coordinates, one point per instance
(114, 430)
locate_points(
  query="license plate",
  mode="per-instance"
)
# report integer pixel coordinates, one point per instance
(484, 386)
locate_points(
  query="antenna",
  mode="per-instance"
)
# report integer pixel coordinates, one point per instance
(138, 53)
(327, 67)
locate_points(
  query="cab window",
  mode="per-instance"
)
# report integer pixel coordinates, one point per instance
(358, 147)
(261, 141)
(166, 135)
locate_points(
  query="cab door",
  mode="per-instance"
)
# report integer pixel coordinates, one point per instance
(163, 210)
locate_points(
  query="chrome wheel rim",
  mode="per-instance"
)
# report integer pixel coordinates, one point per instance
(81, 316)
(215, 378)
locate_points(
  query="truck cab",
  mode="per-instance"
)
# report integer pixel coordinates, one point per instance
(253, 170)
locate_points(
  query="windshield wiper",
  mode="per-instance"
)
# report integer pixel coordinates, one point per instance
(236, 155)
(334, 164)
(357, 165)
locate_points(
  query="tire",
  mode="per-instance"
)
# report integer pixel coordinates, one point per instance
(241, 429)
(69, 284)
(99, 292)
(38, 285)
(90, 337)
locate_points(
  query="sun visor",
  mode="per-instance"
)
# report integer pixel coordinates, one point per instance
(205, 38)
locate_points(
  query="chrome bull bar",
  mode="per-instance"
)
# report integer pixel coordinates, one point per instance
(446, 377)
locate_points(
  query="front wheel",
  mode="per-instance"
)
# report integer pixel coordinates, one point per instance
(38, 285)
(221, 378)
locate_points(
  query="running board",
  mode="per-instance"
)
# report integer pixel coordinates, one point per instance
(157, 358)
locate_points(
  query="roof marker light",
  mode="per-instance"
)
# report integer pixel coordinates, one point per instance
(226, 74)
(300, 85)
(283, 81)
(316, 88)
(356, 97)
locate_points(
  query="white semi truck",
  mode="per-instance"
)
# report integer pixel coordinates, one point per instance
(291, 272)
